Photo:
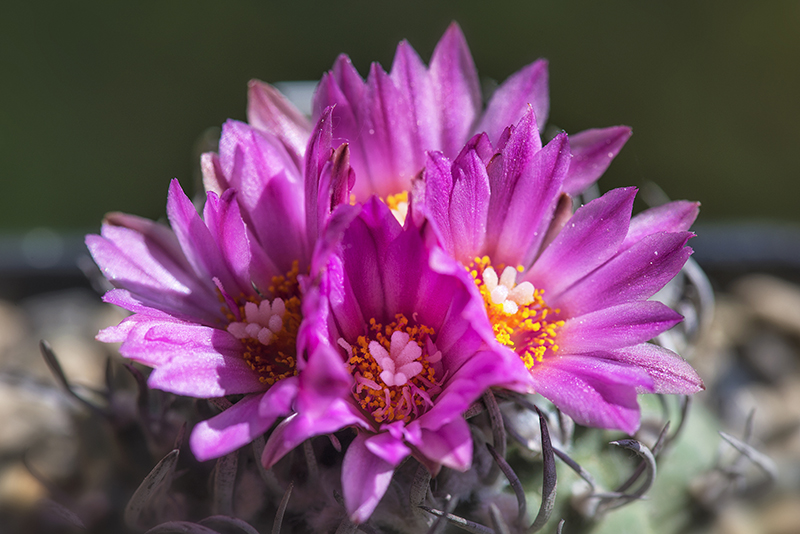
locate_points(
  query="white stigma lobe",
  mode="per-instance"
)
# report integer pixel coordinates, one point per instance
(399, 363)
(261, 321)
(506, 291)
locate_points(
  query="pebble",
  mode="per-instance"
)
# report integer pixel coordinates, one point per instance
(781, 516)
(773, 300)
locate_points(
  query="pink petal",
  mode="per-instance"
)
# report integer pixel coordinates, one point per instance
(411, 78)
(675, 216)
(208, 365)
(459, 99)
(269, 191)
(228, 230)
(449, 445)
(334, 281)
(329, 177)
(213, 177)
(279, 223)
(465, 385)
(118, 333)
(469, 206)
(432, 201)
(532, 204)
(526, 87)
(411, 286)
(592, 153)
(561, 214)
(592, 391)
(298, 427)
(591, 237)
(616, 327)
(635, 274)
(365, 479)
(387, 447)
(324, 377)
(126, 300)
(466, 327)
(249, 158)
(670, 373)
(364, 252)
(344, 89)
(269, 110)
(146, 258)
(196, 240)
(190, 359)
(243, 422)
(392, 156)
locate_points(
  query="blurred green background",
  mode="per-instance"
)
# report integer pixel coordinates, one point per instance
(102, 103)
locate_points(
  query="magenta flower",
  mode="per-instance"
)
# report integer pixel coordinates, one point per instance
(566, 293)
(217, 299)
(392, 119)
(403, 329)
(286, 191)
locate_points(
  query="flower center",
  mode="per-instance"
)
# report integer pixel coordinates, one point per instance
(518, 313)
(268, 329)
(395, 368)
(398, 204)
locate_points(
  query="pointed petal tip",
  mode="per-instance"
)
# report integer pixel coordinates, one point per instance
(608, 141)
(230, 126)
(619, 131)
(561, 139)
(403, 47)
(454, 28)
(375, 72)
(254, 84)
(539, 68)
(593, 151)
(618, 136)
(627, 192)
(114, 218)
(175, 188)
(325, 115)
(226, 197)
(343, 58)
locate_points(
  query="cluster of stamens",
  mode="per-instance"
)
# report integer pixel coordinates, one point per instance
(398, 204)
(518, 313)
(268, 329)
(393, 368)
